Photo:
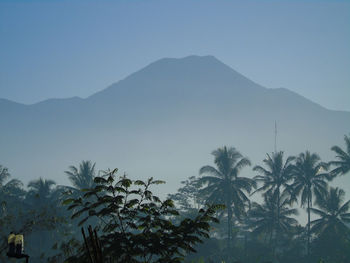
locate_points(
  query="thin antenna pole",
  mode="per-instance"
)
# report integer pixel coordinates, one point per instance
(275, 136)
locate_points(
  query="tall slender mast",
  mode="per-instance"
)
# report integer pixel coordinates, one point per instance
(275, 136)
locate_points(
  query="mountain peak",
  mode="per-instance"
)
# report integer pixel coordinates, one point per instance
(195, 73)
(191, 60)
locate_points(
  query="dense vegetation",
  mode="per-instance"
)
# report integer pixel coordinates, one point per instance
(258, 215)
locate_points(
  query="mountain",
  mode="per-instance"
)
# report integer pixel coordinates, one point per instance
(163, 121)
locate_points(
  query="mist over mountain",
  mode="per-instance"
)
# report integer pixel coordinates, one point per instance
(164, 121)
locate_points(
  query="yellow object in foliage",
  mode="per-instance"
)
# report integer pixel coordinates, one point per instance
(19, 244)
(11, 239)
(19, 239)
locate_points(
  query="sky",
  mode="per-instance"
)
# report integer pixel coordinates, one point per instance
(61, 48)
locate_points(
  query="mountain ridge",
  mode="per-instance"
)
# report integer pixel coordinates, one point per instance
(150, 67)
(173, 111)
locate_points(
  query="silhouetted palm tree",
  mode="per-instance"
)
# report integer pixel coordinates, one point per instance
(275, 179)
(342, 164)
(41, 196)
(277, 174)
(10, 185)
(82, 177)
(12, 188)
(309, 180)
(4, 174)
(265, 219)
(224, 186)
(40, 191)
(11, 192)
(334, 214)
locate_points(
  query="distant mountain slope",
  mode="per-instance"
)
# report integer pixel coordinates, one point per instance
(163, 121)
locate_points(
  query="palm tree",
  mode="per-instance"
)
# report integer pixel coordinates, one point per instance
(11, 192)
(224, 186)
(275, 179)
(265, 218)
(4, 174)
(276, 176)
(40, 190)
(10, 185)
(334, 215)
(331, 227)
(41, 197)
(342, 164)
(82, 177)
(10, 189)
(309, 179)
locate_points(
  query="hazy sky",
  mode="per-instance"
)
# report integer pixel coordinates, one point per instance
(70, 48)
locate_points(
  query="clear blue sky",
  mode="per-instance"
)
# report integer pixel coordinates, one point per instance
(61, 48)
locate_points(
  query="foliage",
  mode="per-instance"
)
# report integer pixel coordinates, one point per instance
(276, 175)
(309, 179)
(332, 242)
(223, 185)
(310, 175)
(342, 162)
(11, 189)
(334, 215)
(188, 197)
(276, 190)
(264, 218)
(331, 248)
(136, 225)
(40, 191)
(82, 177)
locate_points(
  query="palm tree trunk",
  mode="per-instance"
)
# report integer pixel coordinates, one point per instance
(229, 227)
(270, 245)
(275, 242)
(308, 225)
(245, 245)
